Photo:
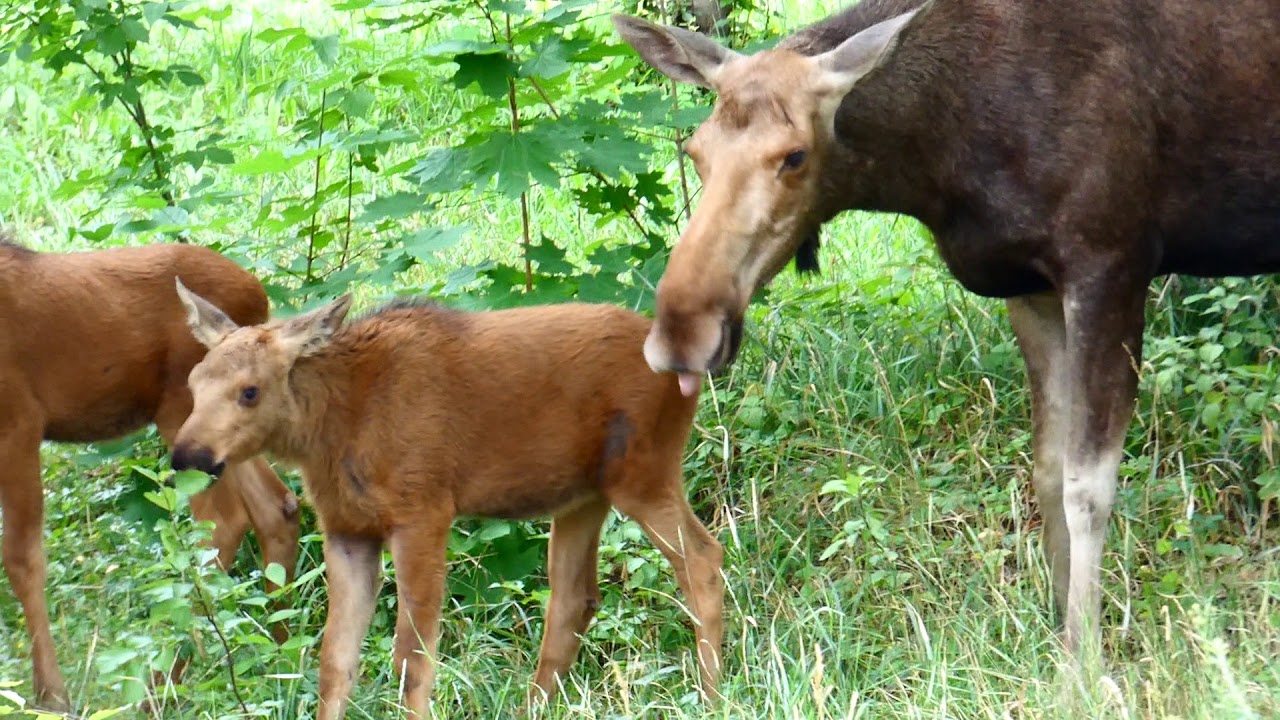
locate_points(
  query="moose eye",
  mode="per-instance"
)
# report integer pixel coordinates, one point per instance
(794, 159)
(249, 396)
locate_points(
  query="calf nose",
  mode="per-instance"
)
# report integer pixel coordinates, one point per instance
(188, 457)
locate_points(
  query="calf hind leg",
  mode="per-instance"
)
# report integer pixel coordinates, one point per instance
(22, 551)
(695, 556)
(575, 593)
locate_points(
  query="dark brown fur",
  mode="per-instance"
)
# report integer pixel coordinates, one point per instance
(94, 345)
(1062, 153)
(415, 414)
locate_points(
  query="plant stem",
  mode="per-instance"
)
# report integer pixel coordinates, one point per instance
(524, 195)
(311, 246)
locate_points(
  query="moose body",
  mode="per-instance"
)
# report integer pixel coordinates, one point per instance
(94, 345)
(415, 414)
(1063, 154)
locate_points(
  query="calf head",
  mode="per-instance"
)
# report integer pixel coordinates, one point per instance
(760, 157)
(241, 389)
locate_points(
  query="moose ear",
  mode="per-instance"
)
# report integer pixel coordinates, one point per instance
(208, 324)
(681, 55)
(844, 66)
(310, 332)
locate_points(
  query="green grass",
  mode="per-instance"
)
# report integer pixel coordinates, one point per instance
(866, 466)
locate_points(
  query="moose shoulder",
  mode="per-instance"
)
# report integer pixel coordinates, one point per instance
(1062, 153)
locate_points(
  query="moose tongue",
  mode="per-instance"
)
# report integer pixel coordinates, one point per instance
(690, 383)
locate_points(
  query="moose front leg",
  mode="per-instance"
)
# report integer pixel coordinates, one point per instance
(1104, 322)
(1040, 327)
(418, 553)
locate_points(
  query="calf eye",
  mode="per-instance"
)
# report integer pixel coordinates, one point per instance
(249, 396)
(794, 159)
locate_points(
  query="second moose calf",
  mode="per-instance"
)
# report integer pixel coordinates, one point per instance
(415, 414)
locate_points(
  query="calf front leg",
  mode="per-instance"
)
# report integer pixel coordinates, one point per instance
(22, 547)
(352, 570)
(418, 552)
(572, 572)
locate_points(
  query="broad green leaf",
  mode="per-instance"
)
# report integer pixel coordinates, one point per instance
(548, 60)
(450, 48)
(394, 206)
(407, 79)
(489, 71)
(271, 160)
(271, 35)
(514, 160)
(550, 258)
(190, 482)
(423, 244)
(326, 48)
(275, 574)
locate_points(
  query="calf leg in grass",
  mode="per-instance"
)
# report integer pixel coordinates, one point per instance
(22, 545)
(418, 552)
(352, 570)
(572, 572)
(694, 554)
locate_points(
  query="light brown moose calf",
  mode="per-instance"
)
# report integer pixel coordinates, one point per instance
(415, 414)
(93, 346)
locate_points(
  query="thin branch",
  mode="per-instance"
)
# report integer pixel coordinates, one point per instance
(206, 609)
(351, 165)
(315, 214)
(524, 195)
(679, 136)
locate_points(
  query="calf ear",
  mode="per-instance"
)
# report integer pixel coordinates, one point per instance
(681, 55)
(310, 332)
(208, 324)
(844, 66)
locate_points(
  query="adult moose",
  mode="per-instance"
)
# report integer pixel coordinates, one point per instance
(1063, 154)
(94, 345)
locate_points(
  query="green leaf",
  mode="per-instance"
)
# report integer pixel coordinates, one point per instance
(275, 574)
(514, 159)
(189, 78)
(271, 160)
(394, 206)
(423, 244)
(403, 78)
(451, 48)
(326, 48)
(1210, 352)
(550, 258)
(271, 35)
(190, 482)
(548, 60)
(489, 71)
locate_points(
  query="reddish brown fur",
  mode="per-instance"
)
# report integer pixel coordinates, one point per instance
(416, 414)
(94, 345)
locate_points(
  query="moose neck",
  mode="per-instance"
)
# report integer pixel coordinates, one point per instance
(321, 415)
(895, 129)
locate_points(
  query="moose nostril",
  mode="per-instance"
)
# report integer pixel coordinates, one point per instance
(186, 457)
